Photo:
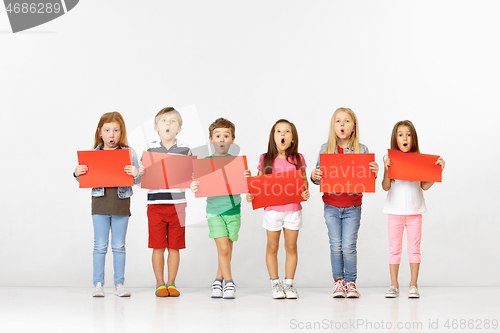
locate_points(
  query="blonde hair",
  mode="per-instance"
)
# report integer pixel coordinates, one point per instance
(166, 110)
(111, 117)
(332, 137)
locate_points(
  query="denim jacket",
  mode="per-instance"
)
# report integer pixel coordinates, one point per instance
(124, 192)
(362, 150)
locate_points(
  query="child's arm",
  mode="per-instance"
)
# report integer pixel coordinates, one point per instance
(194, 186)
(250, 196)
(305, 195)
(132, 169)
(142, 170)
(427, 185)
(316, 175)
(80, 170)
(386, 182)
(374, 168)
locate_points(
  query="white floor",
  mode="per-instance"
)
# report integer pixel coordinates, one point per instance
(74, 310)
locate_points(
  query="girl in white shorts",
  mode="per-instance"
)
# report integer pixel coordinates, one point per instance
(282, 155)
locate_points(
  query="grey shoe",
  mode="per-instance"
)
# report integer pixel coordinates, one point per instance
(99, 290)
(120, 291)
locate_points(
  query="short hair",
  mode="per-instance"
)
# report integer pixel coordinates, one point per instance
(166, 110)
(111, 117)
(221, 123)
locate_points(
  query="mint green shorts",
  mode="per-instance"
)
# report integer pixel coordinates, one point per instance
(224, 225)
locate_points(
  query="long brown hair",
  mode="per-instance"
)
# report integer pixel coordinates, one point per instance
(292, 152)
(413, 133)
(111, 117)
(332, 137)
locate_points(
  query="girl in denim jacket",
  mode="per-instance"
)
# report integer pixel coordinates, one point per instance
(343, 210)
(111, 205)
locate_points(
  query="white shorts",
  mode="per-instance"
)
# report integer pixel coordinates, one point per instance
(275, 221)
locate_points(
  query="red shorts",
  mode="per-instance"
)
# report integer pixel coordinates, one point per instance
(166, 224)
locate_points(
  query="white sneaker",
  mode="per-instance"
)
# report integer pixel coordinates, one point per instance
(229, 290)
(393, 292)
(413, 292)
(216, 289)
(120, 291)
(289, 289)
(99, 290)
(277, 289)
(339, 289)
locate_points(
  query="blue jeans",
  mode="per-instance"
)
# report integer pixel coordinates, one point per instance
(343, 225)
(102, 225)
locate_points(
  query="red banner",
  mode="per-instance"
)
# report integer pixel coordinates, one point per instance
(106, 168)
(347, 173)
(276, 189)
(220, 176)
(414, 166)
(166, 171)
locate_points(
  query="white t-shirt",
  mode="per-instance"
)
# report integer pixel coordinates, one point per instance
(405, 198)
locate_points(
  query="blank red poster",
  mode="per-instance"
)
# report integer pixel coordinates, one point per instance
(347, 173)
(220, 176)
(106, 168)
(276, 189)
(166, 171)
(414, 166)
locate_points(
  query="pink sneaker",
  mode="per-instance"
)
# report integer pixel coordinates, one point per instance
(351, 290)
(339, 289)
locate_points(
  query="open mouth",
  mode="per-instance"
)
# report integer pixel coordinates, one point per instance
(168, 130)
(405, 145)
(111, 142)
(342, 131)
(283, 141)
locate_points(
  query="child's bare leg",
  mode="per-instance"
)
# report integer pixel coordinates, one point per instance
(291, 252)
(224, 258)
(219, 272)
(158, 260)
(172, 265)
(273, 243)
(394, 270)
(414, 268)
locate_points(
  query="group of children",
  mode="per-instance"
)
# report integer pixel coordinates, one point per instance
(342, 211)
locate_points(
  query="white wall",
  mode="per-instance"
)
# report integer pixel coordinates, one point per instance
(433, 62)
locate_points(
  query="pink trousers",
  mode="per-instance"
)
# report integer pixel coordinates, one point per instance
(396, 227)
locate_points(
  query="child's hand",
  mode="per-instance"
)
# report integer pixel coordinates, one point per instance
(306, 195)
(194, 186)
(142, 170)
(387, 164)
(440, 162)
(250, 197)
(374, 168)
(316, 174)
(131, 170)
(247, 174)
(81, 169)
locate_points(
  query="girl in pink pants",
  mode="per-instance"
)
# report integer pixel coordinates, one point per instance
(405, 205)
